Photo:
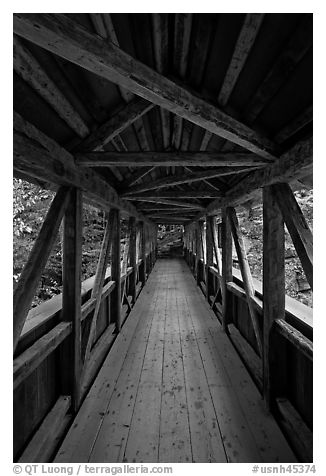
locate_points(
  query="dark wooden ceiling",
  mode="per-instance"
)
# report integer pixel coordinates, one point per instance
(257, 68)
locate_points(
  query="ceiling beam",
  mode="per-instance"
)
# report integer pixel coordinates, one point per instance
(132, 111)
(68, 39)
(28, 68)
(179, 194)
(185, 178)
(241, 52)
(292, 165)
(158, 159)
(168, 202)
(38, 156)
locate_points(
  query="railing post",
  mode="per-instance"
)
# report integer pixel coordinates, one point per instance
(70, 371)
(209, 254)
(132, 259)
(273, 295)
(142, 273)
(226, 267)
(116, 271)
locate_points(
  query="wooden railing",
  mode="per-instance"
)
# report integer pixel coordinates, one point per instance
(293, 336)
(39, 406)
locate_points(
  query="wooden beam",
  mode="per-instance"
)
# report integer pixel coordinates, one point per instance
(245, 41)
(142, 276)
(116, 270)
(300, 42)
(294, 164)
(70, 371)
(37, 155)
(273, 293)
(46, 439)
(295, 125)
(161, 54)
(227, 275)
(297, 226)
(185, 178)
(177, 203)
(160, 159)
(300, 342)
(98, 284)
(32, 272)
(209, 254)
(136, 176)
(132, 111)
(32, 357)
(296, 430)
(246, 275)
(179, 194)
(31, 71)
(68, 39)
(132, 258)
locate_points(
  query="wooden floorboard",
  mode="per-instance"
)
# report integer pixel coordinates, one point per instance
(173, 388)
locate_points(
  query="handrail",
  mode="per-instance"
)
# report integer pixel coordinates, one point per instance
(299, 315)
(44, 313)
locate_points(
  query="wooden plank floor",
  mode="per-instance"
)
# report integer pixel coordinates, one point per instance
(173, 389)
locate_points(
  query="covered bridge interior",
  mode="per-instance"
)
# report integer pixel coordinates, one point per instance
(164, 119)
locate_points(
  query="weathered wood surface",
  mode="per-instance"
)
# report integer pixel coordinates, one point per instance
(116, 124)
(45, 441)
(31, 274)
(293, 164)
(31, 358)
(70, 370)
(66, 38)
(99, 281)
(245, 41)
(173, 389)
(226, 265)
(32, 72)
(273, 292)
(297, 431)
(116, 269)
(304, 345)
(246, 274)
(186, 178)
(160, 159)
(43, 158)
(297, 226)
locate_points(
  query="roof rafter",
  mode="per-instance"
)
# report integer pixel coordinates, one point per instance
(60, 35)
(181, 179)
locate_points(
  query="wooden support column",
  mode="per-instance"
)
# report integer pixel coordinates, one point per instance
(198, 251)
(209, 254)
(227, 275)
(142, 276)
(132, 259)
(116, 270)
(246, 275)
(70, 371)
(273, 295)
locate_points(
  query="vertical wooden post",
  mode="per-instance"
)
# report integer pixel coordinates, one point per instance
(209, 254)
(70, 372)
(197, 249)
(116, 271)
(132, 258)
(142, 276)
(226, 267)
(273, 293)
